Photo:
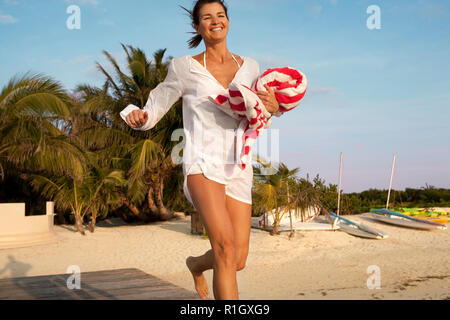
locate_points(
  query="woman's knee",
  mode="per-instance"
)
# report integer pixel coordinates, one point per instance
(241, 258)
(240, 266)
(224, 252)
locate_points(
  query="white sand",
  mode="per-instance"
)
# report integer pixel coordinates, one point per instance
(414, 264)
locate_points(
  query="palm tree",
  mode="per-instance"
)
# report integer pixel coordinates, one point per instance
(281, 192)
(31, 109)
(76, 149)
(92, 194)
(103, 185)
(144, 156)
(37, 121)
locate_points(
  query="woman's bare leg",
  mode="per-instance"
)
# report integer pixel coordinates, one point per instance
(197, 265)
(241, 219)
(209, 199)
(240, 214)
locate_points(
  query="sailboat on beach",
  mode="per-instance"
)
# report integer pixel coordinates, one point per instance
(348, 226)
(400, 219)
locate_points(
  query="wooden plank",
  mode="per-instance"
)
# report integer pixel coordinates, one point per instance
(101, 285)
(45, 281)
(57, 286)
(54, 287)
(90, 293)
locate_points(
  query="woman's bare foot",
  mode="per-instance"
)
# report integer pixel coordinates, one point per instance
(200, 282)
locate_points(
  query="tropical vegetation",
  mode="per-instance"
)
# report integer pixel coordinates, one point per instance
(74, 149)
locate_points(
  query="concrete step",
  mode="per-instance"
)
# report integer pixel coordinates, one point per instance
(27, 240)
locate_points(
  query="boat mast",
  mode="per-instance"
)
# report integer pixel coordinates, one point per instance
(390, 183)
(339, 187)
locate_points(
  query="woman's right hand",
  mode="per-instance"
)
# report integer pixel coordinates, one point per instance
(137, 118)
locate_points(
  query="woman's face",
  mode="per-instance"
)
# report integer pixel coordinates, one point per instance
(214, 24)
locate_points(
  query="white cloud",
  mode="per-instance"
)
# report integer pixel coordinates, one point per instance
(92, 72)
(270, 61)
(315, 10)
(89, 2)
(80, 59)
(11, 2)
(7, 18)
(56, 61)
(107, 22)
(76, 60)
(334, 2)
(361, 60)
(324, 90)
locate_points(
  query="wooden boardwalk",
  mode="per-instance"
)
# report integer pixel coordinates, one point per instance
(122, 284)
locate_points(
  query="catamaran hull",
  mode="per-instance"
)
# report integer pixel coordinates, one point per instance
(300, 226)
(399, 221)
(359, 233)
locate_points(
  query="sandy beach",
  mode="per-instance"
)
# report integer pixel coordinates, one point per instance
(413, 264)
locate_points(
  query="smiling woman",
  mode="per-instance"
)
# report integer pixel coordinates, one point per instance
(198, 19)
(214, 182)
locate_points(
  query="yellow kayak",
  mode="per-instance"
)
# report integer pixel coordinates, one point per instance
(438, 219)
(436, 216)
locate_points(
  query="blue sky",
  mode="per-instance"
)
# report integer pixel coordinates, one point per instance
(372, 93)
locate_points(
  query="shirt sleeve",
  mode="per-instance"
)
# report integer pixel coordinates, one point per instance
(160, 100)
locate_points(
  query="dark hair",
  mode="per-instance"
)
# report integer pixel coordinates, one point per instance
(195, 17)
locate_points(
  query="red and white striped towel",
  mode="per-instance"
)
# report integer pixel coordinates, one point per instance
(242, 102)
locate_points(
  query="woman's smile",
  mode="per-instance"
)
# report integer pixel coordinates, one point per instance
(213, 21)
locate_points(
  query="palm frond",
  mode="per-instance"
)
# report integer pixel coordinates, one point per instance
(42, 104)
(100, 137)
(137, 190)
(144, 153)
(110, 80)
(44, 185)
(19, 87)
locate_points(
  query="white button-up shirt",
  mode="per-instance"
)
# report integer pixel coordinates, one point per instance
(209, 132)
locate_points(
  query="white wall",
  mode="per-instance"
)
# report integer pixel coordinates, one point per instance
(16, 229)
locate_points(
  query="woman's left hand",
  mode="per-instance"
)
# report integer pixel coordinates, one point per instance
(269, 99)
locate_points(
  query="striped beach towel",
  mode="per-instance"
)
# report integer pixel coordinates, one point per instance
(242, 102)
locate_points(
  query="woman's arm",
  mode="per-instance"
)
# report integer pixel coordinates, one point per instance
(160, 100)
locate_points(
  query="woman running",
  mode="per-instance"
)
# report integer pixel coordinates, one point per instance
(213, 180)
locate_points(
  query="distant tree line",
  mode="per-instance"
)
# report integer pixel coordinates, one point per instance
(427, 196)
(360, 202)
